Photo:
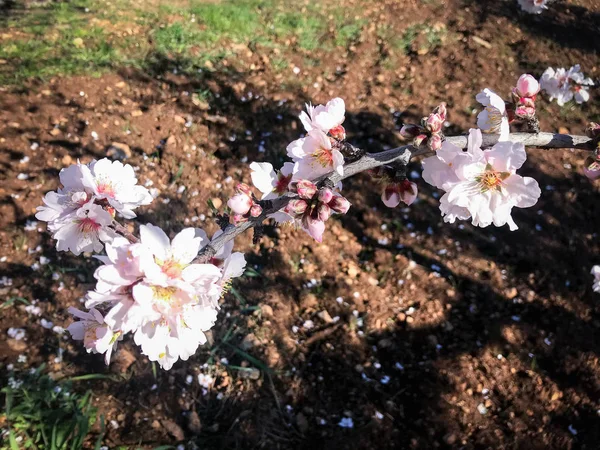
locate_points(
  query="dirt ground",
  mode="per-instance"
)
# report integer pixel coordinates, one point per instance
(426, 335)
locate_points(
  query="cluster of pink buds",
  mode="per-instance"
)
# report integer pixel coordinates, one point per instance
(314, 206)
(429, 133)
(395, 188)
(592, 163)
(243, 204)
(524, 96)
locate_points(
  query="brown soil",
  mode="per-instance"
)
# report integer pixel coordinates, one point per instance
(436, 322)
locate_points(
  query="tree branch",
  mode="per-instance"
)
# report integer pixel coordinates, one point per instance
(120, 229)
(399, 155)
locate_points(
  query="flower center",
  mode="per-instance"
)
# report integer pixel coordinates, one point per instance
(491, 179)
(164, 294)
(88, 225)
(282, 183)
(171, 267)
(323, 156)
(106, 188)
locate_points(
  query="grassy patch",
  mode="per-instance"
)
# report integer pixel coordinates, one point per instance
(85, 37)
(44, 414)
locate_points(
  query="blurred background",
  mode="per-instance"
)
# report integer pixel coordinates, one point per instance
(398, 331)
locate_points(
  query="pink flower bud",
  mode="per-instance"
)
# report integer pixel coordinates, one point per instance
(434, 123)
(339, 204)
(296, 206)
(323, 212)
(240, 203)
(306, 189)
(338, 132)
(243, 187)
(325, 195)
(315, 228)
(410, 131)
(527, 86)
(256, 210)
(524, 112)
(440, 110)
(434, 142)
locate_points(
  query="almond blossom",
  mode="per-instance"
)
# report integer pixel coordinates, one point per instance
(494, 118)
(82, 231)
(272, 184)
(565, 85)
(534, 6)
(154, 290)
(314, 156)
(116, 183)
(80, 214)
(328, 118)
(97, 337)
(483, 184)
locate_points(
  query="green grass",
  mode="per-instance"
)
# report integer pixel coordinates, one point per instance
(43, 414)
(89, 37)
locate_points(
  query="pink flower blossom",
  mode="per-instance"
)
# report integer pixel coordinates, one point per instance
(97, 337)
(314, 156)
(272, 184)
(482, 184)
(324, 118)
(565, 85)
(83, 230)
(116, 183)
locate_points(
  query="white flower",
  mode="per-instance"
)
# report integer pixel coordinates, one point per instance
(171, 262)
(117, 183)
(482, 184)
(315, 156)
(272, 184)
(493, 119)
(324, 118)
(97, 337)
(565, 85)
(83, 230)
(534, 6)
(596, 273)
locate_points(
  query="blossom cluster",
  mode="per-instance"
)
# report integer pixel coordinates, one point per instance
(154, 290)
(565, 85)
(80, 214)
(316, 154)
(429, 133)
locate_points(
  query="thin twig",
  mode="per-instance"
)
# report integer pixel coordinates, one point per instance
(124, 232)
(399, 155)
